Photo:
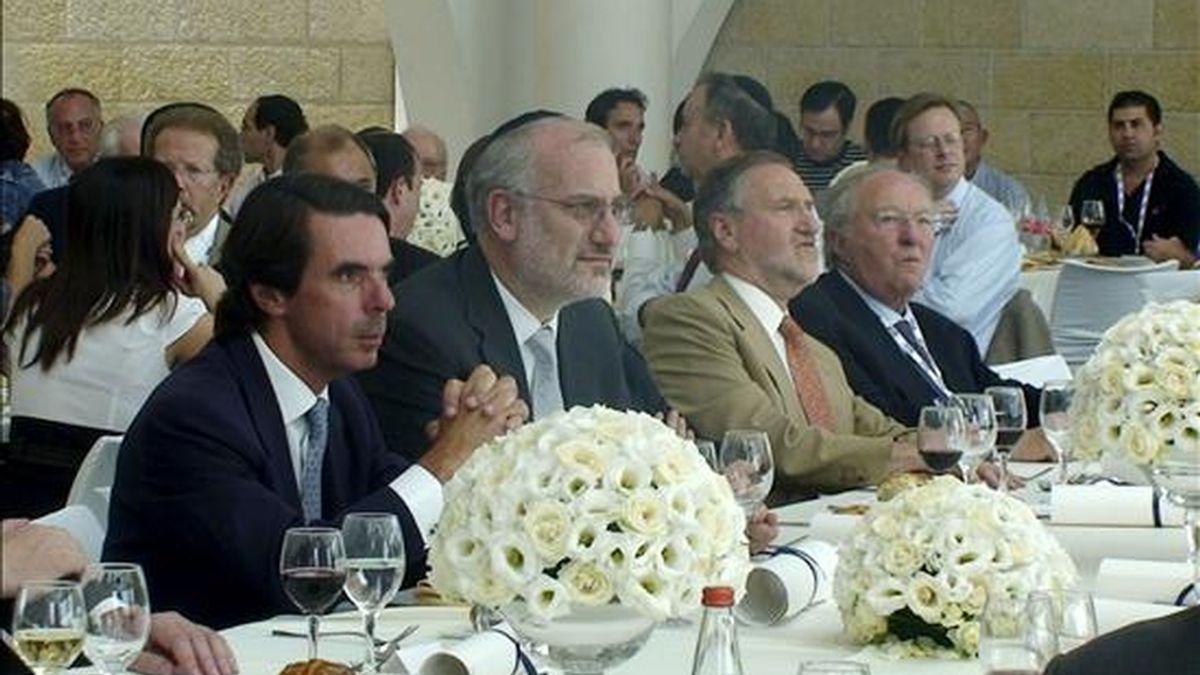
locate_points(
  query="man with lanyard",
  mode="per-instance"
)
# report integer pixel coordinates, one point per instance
(1151, 205)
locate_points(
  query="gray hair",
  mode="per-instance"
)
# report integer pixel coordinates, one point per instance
(110, 135)
(721, 192)
(508, 162)
(841, 199)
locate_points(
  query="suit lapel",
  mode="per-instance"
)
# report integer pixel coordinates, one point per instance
(265, 416)
(759, 347)
(485, 313)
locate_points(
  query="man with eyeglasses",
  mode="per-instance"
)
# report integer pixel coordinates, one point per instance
(728, 356)
(976, 256)
(528, 300)
(204, 150)
(73, 121)
(898, 354)
(826, 111)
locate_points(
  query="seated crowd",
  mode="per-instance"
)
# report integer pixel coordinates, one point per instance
(275, 352)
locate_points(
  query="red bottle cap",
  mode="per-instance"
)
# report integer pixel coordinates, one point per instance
(718, 596)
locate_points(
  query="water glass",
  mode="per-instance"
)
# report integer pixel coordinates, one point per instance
(708, 450)
(941, 435)
(1009, 643)
(118, 607)
(1055, 411)
(1011, 418)
(311, 565)
(49, 624)
(979, 417)
(1070, 614)
(745, 461)
(374, 567)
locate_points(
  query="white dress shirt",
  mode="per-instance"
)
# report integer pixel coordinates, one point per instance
(53, 170)
(766, 310)
(524, 325)
(200, 244)
(419, 489)
(652, 269)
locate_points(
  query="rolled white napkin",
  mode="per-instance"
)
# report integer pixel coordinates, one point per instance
(1142, 580)
(832, 527)
(1128, 505)
(487, 653)
(788, 582)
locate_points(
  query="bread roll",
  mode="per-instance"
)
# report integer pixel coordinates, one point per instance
(315, 667)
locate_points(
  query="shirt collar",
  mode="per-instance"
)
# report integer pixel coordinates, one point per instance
(294, 396)
(524, 323)
(762, 306)
(959, 193)
(199, 244)
(886, 314)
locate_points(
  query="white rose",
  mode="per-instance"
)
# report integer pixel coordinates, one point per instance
(965, 637)
(672, 467)
(901, 558)
(587, 583)
(644, 513)
(547, 523)
(579, 456)
(1140, 445)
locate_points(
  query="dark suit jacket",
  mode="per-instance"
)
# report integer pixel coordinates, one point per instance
(449, 318)
(406, 259)
(205, 487)
(832, 311)
(1165, 646)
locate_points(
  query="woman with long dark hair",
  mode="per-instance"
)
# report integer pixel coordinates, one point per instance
(88, 344)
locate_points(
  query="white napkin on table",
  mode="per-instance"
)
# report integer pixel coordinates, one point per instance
(1142, 580)
(487, 653)
(1128, 505)
(785, 584)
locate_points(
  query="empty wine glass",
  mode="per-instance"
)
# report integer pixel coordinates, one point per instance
(1091, 214)
(1009, 644)
(1010, 424)
(1054, 407)
(374, 567)
(49, 623)
(1070, 614)
(1066, 218)
(941, 434)
(311, 565)
(708, 450)
(745, 461)
(979, 417)
(118, 608)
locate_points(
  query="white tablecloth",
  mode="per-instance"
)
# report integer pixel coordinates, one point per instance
(1160, 286)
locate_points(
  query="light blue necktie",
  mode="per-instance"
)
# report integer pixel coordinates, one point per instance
(545, 391)
(317, 419)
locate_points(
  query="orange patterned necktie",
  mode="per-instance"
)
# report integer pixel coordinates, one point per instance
(805, 376)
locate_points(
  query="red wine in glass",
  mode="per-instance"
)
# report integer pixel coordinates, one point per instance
(313, 589)
(940, 460)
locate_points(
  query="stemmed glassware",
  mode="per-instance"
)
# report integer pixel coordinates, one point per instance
(708, 450)
(49, 623)
(1055, 412)
(745, 461)
(1091, 214)
(1009, 642)
(1070, 615)
(941, 435)
(118, 620)
(979, 417)
(311, 565)
(1010, 424)
(374, 567)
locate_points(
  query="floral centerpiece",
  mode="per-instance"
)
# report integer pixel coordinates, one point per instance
(436, 228)
(915, 574)
(588, 507)
(1139, 394)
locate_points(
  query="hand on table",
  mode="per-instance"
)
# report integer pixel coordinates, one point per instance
(1159, 249)
(32, 551)
(1033, 447)
(762, 528)
(177, 646)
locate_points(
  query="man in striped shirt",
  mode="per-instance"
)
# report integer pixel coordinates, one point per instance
(826, 110)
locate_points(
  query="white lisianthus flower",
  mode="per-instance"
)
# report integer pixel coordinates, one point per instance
(901, 558)
(514, 559)
(673, 467)
(925, 596)
(673, 557)
(628, 476)
(649, 592)
(546, 598)
(887, 595)
(582, 457)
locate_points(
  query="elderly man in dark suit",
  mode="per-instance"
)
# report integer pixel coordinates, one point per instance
(897, 354)
(528, 300)
(1165, 646)
(262, 431)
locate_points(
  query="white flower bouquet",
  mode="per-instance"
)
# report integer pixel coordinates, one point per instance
(588, 507)
(1139, 394)
(436, 228)
(915, 574)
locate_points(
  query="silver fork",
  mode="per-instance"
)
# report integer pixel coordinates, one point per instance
(387, 649)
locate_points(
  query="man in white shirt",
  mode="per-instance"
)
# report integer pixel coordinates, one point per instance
(976, 257)
(720, 121)
(203, 149)
(73, 121)
(263, 431)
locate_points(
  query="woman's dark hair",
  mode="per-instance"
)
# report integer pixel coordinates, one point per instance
(14, 137)
(119, 213)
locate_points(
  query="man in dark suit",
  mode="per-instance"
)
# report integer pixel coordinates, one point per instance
(528, 299)
(398, 186)
(1165, 646)
(897, 354)
(262, 431)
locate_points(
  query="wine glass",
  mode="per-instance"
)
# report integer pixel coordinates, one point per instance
(1066, 218)
(1091, 214)
(1070, 614)
(118, 620)
(1010, 424)
(311, 565)
(49, 624)
(374, 567)
(979, 418)
(1009, 643)
(833, 668)
(1054, 406)
(745, 461)
(941, 435)
(708, 450)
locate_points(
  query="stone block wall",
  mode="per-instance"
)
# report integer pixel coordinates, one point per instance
(1040, 71)
(332, 56)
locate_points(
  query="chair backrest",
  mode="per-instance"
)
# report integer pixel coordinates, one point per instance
(94, 480)
(1022, 332)
(1089, 298)
(1168, 286)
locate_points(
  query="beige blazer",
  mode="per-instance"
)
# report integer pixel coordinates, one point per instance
(716, 365)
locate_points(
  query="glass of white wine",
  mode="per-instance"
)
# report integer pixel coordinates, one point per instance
(118, 621)
(49, 621)
(374, 566)
(1055, 412)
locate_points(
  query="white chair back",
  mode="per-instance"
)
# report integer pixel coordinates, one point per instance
(93, 482)
(1089, 298)
(1168, 286)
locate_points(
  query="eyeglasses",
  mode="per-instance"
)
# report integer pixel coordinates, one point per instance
(950, 140)
(190, 172)
(587, 209)
(891, 220)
